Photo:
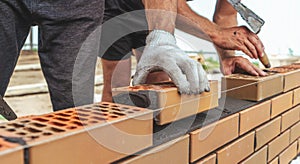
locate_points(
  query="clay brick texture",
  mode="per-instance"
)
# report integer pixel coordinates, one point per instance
(11, 153)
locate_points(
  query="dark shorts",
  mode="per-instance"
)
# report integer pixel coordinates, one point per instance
(67, 57)
(125, 28)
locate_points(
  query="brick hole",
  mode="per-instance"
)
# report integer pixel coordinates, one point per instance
(49, 116)
(99, 114)
(78, 123)
(130, 112)
(69, 111)
(137, 110)
(2, 127)
(56, 130)
(101, 106)
(61, 119)
(103, 110)
(93, 122)
(63, 114)
(82, 114)
(32, 130)
(16, 125)
(25, 121)
(38, 124)
(10, 130)
(41, 119)
(57, 123)
(21, 133)
(47, 134)
(71, 127)
(106, 104)
(119, 114)
(98, 118)
(117, 109)
(33, 137)
(79, 118)
(84, 110)
(115, 106)
(113, 116)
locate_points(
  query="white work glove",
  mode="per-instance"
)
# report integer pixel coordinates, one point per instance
(162, 53)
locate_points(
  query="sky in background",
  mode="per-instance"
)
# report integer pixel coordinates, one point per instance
(281, 31)
(279, 34)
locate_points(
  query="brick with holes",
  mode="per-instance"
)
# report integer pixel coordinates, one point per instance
(11, 153)
(165, 97)
(106, 131)
(253, 88)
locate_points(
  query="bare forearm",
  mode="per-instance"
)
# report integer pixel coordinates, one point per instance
(161, 15)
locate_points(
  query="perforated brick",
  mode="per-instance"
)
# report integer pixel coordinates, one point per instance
(291, 74)
(11, 153)
(253, 88)
(107, 131)
(172, 106)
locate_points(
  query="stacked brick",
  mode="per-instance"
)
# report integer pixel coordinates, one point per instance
(267, 131)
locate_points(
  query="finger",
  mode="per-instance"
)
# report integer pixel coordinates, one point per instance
(257, 43)
(244, 48)
(251, 48)
(259, 71)
(247, 66)
(189, 68)
(203, 80)
(140, 77)
(177, 76)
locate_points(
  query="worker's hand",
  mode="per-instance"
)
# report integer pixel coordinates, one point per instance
(239, 38)
(238, 64)
(162, 53)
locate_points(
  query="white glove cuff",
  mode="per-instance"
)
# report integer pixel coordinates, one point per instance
(160, 37)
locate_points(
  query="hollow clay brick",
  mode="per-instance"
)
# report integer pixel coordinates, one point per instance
(291, 76)
(172, 106)
(237, 151)
(281, 104)
(278, 145)
(288, 154)
(254, 116)
(211, 137)
(267, 132)
(289, 118)
(253, 88)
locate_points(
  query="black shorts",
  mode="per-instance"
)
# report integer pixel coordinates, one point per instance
(125, 28)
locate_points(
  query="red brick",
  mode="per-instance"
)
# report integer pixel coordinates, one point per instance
(209, 138)
(288, 154)
(176, 151)
(173, 105)
(252, 87)
(254, 116)
(212, 159)
(258, 157)
(278, 145)
(237, 151)
(267, 132)
(281, 104)
(289, 118)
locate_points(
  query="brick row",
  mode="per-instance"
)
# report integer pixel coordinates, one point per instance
(98, 133)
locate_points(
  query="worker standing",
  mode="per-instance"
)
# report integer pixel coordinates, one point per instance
(64, 27)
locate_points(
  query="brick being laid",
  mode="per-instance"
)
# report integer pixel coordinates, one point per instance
(259, 156)
(209, 138)
(291, 74)
(266, 132)
(11, 153)
(289, 118)
(254, 88)
(95, 133)
(175, 152)
(278, 145)
(164, 97)
(237, 151)
(281, 103)
(254, 116)
(288, 154)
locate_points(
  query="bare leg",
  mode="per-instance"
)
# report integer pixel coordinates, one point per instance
(153, 77)
(115, 74)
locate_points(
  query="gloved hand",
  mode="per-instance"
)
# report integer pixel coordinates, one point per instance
(162, 53)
